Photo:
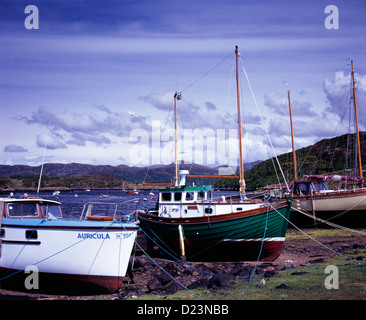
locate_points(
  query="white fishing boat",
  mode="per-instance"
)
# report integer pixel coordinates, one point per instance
(91, 252)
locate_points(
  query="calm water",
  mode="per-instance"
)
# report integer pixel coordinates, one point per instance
(74, 201)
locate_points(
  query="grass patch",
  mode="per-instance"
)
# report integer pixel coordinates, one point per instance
(294, 235)
(301, 284)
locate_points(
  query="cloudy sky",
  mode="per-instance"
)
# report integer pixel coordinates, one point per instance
(95, 82)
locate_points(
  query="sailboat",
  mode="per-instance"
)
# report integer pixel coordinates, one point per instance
(189, 223)
(312, 196)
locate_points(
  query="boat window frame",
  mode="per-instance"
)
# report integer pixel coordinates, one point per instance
(36, 205)
(50, 215)
(179, 194)
(162, 196)
(190, 193)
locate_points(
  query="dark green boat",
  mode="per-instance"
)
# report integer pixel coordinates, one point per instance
(188, 222)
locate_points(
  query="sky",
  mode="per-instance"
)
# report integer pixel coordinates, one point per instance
(94, 81)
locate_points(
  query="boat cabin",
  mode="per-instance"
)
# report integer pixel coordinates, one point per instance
(306, 187)
(31, 208)
(186, 194)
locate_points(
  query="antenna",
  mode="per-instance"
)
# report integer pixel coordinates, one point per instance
(44, 154)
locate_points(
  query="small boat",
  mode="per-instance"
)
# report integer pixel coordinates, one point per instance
(92, 252)
(189, 223)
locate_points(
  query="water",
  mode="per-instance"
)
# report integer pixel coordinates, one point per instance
(73, 202)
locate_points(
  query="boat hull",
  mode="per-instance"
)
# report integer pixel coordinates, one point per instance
(344, 207)
(240, 236)
(94, 254)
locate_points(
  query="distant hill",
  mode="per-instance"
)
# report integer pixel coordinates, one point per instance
(325, 156)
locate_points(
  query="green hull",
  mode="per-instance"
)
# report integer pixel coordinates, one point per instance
(236, 236)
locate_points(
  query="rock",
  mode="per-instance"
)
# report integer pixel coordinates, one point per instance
(283, 287)
(298, 273)
(163, 278)
(154, 284)
(142, 261)
(220, 280)
(357, 246)
(199, 284)
(241, 270)
(269, 273)
(172, 288)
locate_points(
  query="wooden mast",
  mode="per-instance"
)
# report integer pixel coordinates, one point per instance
(292, 136)
(177, 96)
(356, 120)
(241, 169)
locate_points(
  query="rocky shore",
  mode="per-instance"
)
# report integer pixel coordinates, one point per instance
(163, 277)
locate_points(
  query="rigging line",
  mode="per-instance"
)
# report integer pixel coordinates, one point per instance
(208, 72)
(44, 154)
(260, 252)
(174, 257)
(161, 268)
(333, 224)
(323, 245)
(264, 127)
(223, 239)
(54, 254)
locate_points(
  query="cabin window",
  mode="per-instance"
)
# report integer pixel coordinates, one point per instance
(177, 196)
(201, 195)
(22, 210)
(302, 188)
(51, 211)
(2, 233)
(209, 195)
(189, 196)
(166, 196)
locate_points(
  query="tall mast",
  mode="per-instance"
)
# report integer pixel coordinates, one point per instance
(356, 120)
(241, 169)
(292, 137)
(177, 96)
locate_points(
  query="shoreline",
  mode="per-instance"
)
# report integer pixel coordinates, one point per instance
(146, 278)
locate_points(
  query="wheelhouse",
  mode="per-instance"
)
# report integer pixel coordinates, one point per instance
(32, 208)
(305, 187)
(186, 194)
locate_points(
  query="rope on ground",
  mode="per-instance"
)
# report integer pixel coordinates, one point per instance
(323, 245)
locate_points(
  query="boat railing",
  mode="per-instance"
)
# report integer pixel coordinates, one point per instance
(107, 211)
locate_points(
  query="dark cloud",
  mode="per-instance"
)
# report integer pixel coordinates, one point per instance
(279, 104)
(79, 128)
(14, 148)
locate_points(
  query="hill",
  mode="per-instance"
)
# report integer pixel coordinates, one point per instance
(325, 156)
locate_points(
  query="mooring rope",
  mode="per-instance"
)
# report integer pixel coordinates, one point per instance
(323, 245)
(260, 252)
(330, 223)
